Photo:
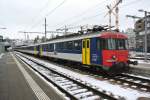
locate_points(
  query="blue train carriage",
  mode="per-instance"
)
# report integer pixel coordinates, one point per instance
(62, 49)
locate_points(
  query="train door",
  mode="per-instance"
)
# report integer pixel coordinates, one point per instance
(41, 50)
(86, 51)
(38, 50)
(35, 51)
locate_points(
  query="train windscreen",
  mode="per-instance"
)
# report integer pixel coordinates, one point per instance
(112, 44)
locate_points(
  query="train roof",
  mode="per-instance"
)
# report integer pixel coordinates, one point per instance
(103, 34)
(112, 35)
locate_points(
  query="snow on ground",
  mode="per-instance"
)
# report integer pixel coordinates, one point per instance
(141, 61)
(138, 54)
(1, 55)
(128, 93)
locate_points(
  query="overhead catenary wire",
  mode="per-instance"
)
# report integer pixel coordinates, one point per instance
(131, 3)
(94, 16)
(82, 19)
(88, 18)
(80, 14)
(40, 11)
(50, 12)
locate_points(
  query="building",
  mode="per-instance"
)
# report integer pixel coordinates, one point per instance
(140, 33)
(131, 38)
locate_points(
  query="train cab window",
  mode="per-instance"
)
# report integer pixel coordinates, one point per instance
(111, 44)
(102, 44)
(122, 44)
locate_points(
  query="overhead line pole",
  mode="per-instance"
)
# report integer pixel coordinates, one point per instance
(109, 12)
(145, 38)
(117, 14)
(133, 17)
(145, 35)
(117, 18)
(45, 29)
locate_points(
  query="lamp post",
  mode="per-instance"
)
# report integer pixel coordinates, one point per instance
(145, 38)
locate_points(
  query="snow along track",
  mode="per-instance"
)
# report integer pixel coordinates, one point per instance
(72, 87)
(128, 81)
(135, 82)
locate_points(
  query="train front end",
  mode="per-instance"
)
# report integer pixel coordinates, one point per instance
(114, 52)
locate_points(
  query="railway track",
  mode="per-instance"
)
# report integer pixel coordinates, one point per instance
(74, 88)
(140, 84)
(125, 80)
(134, 82)
(128, 80)
(139, 58)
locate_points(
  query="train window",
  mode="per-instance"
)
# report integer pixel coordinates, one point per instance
(44, 47)
(83, 43)
(77, 45)
(88, 44)
(121, 44)
(64, 45)
(70, 45)
(98, 45)
(102, 44)
(50, 47)
(58, 46)
(111, 44)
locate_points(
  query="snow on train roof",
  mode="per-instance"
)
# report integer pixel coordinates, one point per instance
(105, 34)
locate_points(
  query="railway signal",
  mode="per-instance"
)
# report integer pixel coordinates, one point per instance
(45, 26)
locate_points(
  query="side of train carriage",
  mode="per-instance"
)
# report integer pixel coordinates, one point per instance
(103, 50)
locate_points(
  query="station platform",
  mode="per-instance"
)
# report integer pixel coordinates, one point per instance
(18, 82)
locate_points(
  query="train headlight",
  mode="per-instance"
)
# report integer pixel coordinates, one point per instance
(113, 57)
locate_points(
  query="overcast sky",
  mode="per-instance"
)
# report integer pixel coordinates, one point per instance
(28, 15)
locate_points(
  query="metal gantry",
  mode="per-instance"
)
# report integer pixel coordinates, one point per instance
(145, 38)
(116, 14)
